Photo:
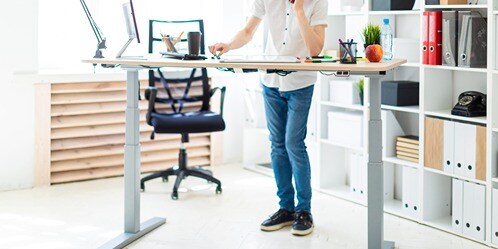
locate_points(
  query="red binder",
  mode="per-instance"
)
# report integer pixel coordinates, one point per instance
(435, 37)
(425, 38)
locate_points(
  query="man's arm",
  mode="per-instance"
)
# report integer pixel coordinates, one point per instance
(314, 36)
(240, 39)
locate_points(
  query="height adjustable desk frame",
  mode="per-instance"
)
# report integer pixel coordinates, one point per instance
(133, 230)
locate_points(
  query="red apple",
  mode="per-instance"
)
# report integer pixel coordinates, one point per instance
(374, 53)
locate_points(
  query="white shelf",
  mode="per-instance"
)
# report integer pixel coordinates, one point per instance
(443, 223)
(355, 13)
(459, 69)
(495, 129)
(345, 106)
(398, 161)
(447, 114)
(457, 6)
(495, 71)
(326, 141)
(495, 12)
(494, 179)
(411, 64)
(454, 176)
(342, 192)
(410, 109)
(395, 12)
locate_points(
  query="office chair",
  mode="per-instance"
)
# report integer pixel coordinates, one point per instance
(178, 120)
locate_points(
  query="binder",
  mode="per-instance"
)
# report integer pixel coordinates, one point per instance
(425, 38)
(472, 45)
(448, 146)
(354, 174)
(470, 151)
(362, 178)
(435, 37)
(494, 215)
(460, 147)
(474, 210)
(457, 206)
(410, 192)
(450, 38)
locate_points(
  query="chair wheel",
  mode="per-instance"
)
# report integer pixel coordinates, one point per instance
(174, 195)
(218, 190)
(165, 179)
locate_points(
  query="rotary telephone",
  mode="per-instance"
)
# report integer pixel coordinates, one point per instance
(470, 104)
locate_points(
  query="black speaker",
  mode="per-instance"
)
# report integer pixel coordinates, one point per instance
(381, 5)
(431, 2)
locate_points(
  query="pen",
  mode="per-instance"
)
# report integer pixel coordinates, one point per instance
(319, 61)
(319, 57)
(178, 38)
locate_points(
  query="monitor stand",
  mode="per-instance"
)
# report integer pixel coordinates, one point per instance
(120, 53)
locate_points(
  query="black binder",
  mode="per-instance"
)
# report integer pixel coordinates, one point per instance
(473, 41)
(450, 38)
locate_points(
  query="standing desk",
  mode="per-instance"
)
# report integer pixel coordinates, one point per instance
(374, 71)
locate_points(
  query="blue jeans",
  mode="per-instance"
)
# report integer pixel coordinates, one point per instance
(287, 116)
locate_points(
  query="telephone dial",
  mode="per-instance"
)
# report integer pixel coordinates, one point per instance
(470, 104)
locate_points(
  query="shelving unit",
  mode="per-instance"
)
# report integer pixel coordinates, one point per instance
(440, 87)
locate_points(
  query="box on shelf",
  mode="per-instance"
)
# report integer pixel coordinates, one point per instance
(407, 49)
(383, 5)
(346, 127)
(448, 2)
(344, 92)
(400, 93)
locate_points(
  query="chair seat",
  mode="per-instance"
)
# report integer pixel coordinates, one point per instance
(188, 122)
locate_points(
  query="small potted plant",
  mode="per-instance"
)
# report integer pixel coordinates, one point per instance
(371, 37)
(361, 89)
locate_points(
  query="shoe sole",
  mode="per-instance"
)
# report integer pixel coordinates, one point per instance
(302, 232)
(276, 227)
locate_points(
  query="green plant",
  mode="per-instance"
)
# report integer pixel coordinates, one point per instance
(361, 86)
(371, 34)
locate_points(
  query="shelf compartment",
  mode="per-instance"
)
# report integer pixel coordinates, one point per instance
(454, 176)
(411, 64)
(326, 141)
(447, 115)
(461, 69)
(410, 109)
(398, 161)
(341, 192)
(345, 106)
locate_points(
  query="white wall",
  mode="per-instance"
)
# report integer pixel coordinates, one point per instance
(18, 52)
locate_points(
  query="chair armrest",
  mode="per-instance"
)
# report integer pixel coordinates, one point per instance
(222, 96)
(150, 95)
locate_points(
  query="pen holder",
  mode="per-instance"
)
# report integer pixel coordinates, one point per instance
(348, 51)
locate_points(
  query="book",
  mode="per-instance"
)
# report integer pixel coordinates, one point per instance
(408, 150)
(408, 158)
(407, 145)
(408, 139)
(400, 153)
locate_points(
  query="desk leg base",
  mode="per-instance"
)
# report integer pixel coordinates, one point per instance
(125, 239)
(388, 244)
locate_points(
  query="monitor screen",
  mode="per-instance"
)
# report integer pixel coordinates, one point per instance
(131, 21)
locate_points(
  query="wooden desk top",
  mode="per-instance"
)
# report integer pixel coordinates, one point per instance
(209, 63)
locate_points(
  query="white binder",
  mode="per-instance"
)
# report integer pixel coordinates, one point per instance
(470, 151)
(449, 146)
(474, 210)
(362, 178)
(460, 147)
(494, 215)
(457, 206)
(410, 192)
(354, 174)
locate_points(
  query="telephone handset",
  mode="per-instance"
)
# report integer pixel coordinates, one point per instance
(470, 104)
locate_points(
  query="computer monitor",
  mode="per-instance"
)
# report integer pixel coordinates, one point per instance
(131, 26)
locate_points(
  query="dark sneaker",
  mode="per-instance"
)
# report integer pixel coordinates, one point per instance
(278, 220)
(303, 224)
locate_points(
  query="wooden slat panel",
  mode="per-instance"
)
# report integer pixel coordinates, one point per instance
(93, 87)
(108, 161)
(93, 119)
(433, 145)
(119, 139)
(109, 150)
(88, 174)
(481, 153)
(90, 131)
(91, 108)
(42, 135)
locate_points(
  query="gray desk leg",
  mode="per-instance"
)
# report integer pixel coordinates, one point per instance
(375, 171)
(132, 227)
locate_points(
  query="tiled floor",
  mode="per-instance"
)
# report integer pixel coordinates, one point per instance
(87, 214)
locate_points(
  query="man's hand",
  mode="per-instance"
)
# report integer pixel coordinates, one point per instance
(298, 6)
(219, 47)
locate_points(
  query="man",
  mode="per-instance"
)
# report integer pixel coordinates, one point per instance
(296, 28)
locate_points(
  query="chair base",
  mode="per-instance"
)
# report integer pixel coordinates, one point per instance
(181, 173)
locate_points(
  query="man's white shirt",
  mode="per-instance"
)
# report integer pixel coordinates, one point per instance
(285, 37)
